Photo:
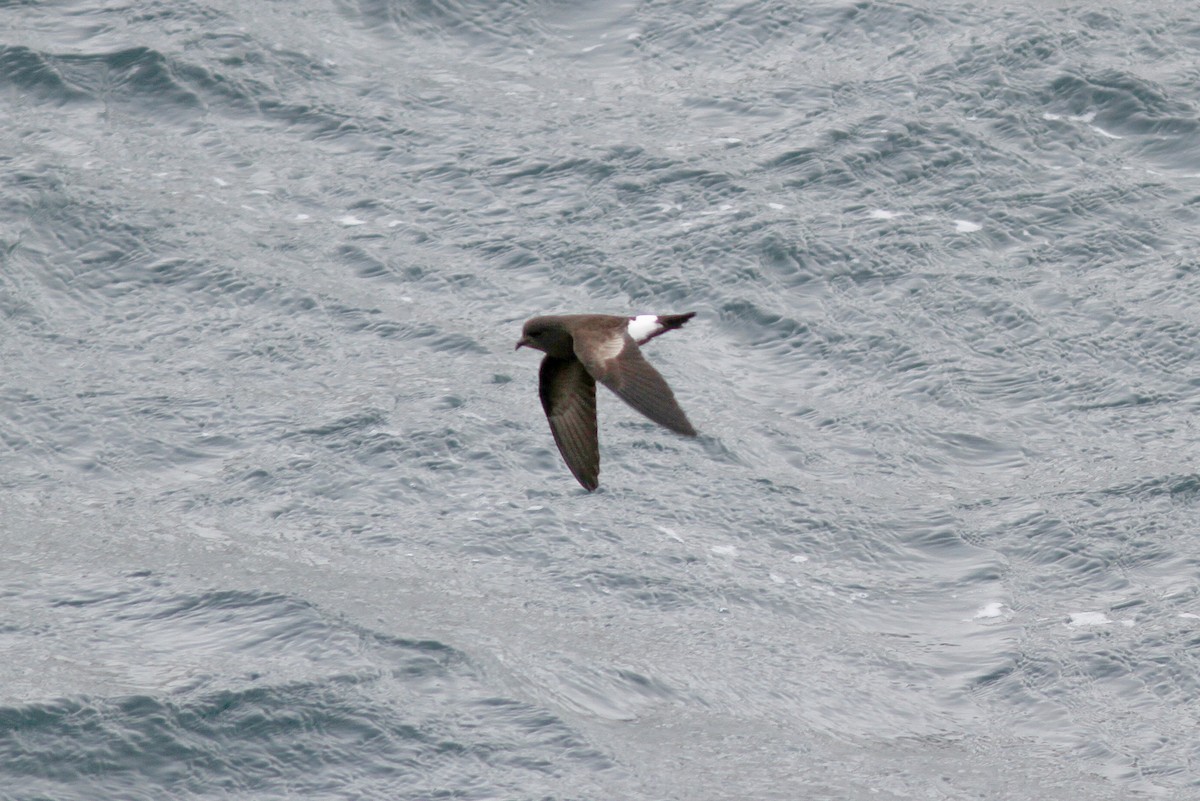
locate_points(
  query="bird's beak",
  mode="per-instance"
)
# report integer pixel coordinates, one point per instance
(521, 342)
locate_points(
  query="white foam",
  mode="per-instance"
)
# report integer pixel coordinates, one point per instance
(994, 609)
(642, 326)
(670, 533)
(966, 226)
(1088, 117)
(884, 214)
(1088, 619)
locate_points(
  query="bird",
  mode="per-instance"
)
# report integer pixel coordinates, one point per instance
(582, 349)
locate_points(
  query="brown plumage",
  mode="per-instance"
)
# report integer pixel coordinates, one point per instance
(582, 349)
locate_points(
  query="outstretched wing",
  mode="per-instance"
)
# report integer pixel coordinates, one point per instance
(618, 363)
(569, 399)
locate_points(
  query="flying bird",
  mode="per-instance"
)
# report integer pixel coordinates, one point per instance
(582, 349)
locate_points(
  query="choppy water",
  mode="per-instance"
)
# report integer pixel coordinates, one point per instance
(280, 516)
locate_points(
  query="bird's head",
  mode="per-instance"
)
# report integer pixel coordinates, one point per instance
(542, 333)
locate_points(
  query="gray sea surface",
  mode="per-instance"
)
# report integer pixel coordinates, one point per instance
(280, 514)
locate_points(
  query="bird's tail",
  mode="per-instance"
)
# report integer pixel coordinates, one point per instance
(672, 321)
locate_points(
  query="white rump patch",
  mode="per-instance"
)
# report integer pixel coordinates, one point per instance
(644, 325)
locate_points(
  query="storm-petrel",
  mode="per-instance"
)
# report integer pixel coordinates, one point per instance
(582, 349)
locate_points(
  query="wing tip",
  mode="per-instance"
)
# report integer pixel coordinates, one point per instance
(587, 479)
(680, 425)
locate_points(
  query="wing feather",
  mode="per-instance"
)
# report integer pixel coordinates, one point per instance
(568, 396)
(636, 382)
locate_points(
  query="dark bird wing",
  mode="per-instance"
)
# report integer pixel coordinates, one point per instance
(617, 362)
(569, 399)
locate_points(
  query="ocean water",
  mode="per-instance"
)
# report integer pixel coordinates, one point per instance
(280, 515)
